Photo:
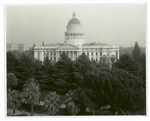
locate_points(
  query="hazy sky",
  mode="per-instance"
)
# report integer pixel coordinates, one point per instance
(114, 24)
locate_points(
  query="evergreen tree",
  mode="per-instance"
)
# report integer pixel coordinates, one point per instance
(42, 43)
(64, 58)
(142, 61)
(136, 53)
(113, 59)
(127, 63)
(117, 88)
(12, 63)
(33, 45)
(11, 80)
(84, 64)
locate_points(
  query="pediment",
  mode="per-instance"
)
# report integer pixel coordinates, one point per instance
(67, 47)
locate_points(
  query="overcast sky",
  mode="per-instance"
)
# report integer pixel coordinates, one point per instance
(114, 24)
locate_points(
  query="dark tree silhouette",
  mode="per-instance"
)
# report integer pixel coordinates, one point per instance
(117, 88)
(42, 43)
(136, 53)
(127, 63)
(11, 80)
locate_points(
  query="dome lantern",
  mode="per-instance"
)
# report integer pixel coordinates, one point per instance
(74, 15)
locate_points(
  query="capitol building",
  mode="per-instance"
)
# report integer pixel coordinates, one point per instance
(74, 45)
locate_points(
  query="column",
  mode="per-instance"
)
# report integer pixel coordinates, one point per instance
(35, 54)
(94, 55)
(89, 55)
(73, 55)
(56, 56)
(69, 54)
(118, 54)
(78, 53)
(41, 56)
(98, 56)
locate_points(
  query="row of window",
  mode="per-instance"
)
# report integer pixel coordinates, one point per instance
(55, 58)
(51, 58)
(50, 53)
(82, 49)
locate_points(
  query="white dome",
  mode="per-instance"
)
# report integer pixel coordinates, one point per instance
(74, 34)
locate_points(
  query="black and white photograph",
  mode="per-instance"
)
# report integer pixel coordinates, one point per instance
(76, 59)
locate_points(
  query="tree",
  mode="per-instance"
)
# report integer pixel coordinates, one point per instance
(142, 61)
(16, 54)
(13, 100)
(42, 43)
(136, 53)
(52, 103)
(112, 58)
(84, 64)
(117, 88)
(33, 45)
(127, 63)
(101, 64)
(77, 101)
(104, 59)
(11, 80)
(64, 58)
(28, 53)
(83, 59)
(32, 93)
(47, 64)
(65, 73)
(71, 106)
(12, 62)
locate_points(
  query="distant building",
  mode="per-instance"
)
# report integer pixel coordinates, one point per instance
(23, 47)
(74, 45)
(19, 47)
(12, 46)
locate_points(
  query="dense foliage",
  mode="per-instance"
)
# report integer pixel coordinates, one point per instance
(13, 100)
(12, 81)
(52, 103)
(118, 83)
(31, 93)
(136, 53)
(115, 87)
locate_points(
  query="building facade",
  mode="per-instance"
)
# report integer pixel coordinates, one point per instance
(23, 47)
(12, 46)
(74, 45)
(19, 47)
